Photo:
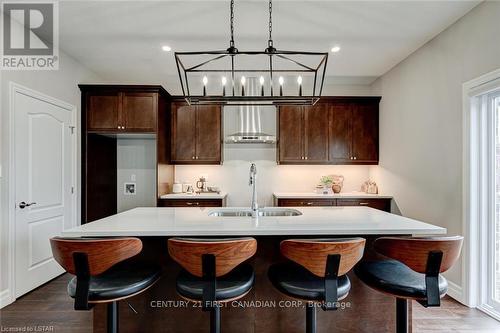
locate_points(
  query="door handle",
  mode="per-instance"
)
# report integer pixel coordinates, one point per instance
(23, 204)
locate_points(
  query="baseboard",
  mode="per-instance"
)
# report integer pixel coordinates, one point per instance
(5, 298)
(455, 291)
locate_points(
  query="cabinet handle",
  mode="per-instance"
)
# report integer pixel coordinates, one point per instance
(363, 203)
(309, 204)
(192, 203)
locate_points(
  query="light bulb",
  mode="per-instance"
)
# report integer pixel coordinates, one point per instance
(224, 80)
(243, 80)
(166, 48)
(299, 80)
(281, 80)
(335, 49)
(205, 80)
(261, 80)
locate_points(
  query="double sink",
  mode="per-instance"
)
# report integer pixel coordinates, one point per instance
(247, 212)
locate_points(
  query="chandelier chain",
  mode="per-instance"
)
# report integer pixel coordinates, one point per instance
(270, 22)
(231, 42)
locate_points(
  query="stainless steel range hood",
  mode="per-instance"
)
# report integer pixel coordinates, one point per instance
(249, 120)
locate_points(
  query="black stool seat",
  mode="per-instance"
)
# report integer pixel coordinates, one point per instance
(394, 277)
(296, 281)
(122, 280)
(232, 285)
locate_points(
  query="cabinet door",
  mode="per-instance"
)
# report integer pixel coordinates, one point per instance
(190, 203)
(291, 129)
(139, 111)
(296, 202)
(382, 204)
(208, 134)
(365, 133)
(340, 135)
(316, 133)
(183, 133)
(103, 111)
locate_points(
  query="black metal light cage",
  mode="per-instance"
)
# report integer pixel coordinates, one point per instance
(307, 93)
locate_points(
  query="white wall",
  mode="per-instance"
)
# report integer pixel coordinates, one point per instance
(60, 84)
(421, 119)
(136, 158)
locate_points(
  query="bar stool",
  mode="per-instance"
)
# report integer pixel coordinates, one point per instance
(213, 272)
(102, 274)
(317, 272)
(412, 273)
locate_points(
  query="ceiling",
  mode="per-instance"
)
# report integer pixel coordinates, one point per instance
(121, 41)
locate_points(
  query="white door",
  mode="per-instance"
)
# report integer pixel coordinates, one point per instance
(43, 152)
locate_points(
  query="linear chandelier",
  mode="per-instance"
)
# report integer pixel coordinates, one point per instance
(229, 77)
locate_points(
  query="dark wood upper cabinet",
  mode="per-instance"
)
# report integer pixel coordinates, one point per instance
(196, 134)
(183, 133)
(337, 130)
(316, 133)
(291, 137)
(365, 133)
(120, 111)
(103, 111)
(340, 133)
(208, 133)
(139, 111)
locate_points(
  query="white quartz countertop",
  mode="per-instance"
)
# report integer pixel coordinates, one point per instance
(314, 195)
(220, 195)
(183, 221)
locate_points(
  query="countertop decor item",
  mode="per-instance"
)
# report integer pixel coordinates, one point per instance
(286, 77)
(369, 187)
(337, 183)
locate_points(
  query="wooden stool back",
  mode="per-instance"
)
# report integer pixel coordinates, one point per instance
(312, 254)
(102, 253)
(228, 252)
(414, 252)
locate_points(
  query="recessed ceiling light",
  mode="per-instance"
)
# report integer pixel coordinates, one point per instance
(335, 49)
(166, 48)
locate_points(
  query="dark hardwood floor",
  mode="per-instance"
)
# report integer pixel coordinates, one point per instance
(49, 307)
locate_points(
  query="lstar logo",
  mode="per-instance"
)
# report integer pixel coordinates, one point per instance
(30, 36)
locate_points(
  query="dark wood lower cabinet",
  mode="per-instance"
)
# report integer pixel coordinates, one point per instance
(305, 202)
(191, 203)
(382, 203)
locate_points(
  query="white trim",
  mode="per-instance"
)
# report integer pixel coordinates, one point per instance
(471, 200)
(489, 311)
(455, 291)
(13, 89)
(5, 298)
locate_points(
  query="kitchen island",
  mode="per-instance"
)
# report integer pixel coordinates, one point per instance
(264, 309)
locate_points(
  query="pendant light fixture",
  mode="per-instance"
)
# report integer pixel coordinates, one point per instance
(219, 77)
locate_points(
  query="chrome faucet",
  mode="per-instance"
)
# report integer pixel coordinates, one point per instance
(253, 183)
